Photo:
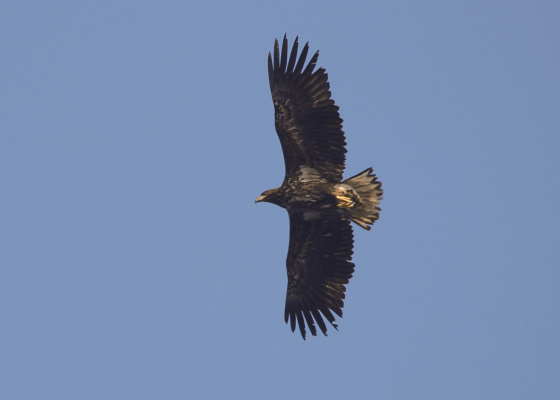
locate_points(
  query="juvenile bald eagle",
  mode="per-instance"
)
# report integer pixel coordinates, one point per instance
(319, 203)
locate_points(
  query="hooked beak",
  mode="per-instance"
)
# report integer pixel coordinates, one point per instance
(260, 198)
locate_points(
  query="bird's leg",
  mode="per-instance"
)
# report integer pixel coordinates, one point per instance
(345, 196)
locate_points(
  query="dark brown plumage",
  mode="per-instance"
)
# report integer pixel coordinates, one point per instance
(320, 205)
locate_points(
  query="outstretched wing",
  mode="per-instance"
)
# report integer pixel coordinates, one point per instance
(306, 118)
(318, 266)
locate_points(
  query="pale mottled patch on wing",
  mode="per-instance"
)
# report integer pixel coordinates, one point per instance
(308, 174)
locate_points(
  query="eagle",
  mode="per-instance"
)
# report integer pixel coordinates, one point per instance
(320, 204)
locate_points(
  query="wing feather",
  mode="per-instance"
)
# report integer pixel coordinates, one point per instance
(318, 266)
(306, 118)
(293, 58)
(284, 55)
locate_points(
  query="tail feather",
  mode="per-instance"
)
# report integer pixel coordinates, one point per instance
(366, 211)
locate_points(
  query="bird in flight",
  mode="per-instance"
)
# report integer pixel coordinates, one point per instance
(320, 204)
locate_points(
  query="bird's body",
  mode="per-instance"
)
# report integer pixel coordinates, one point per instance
(319, 203)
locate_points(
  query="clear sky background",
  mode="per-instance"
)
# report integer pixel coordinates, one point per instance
(135, 136)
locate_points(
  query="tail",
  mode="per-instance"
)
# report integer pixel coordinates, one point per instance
(366, 211)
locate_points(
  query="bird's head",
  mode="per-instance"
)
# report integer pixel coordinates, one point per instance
(269, 196)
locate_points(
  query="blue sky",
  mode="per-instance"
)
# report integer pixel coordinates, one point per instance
(135, 136)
